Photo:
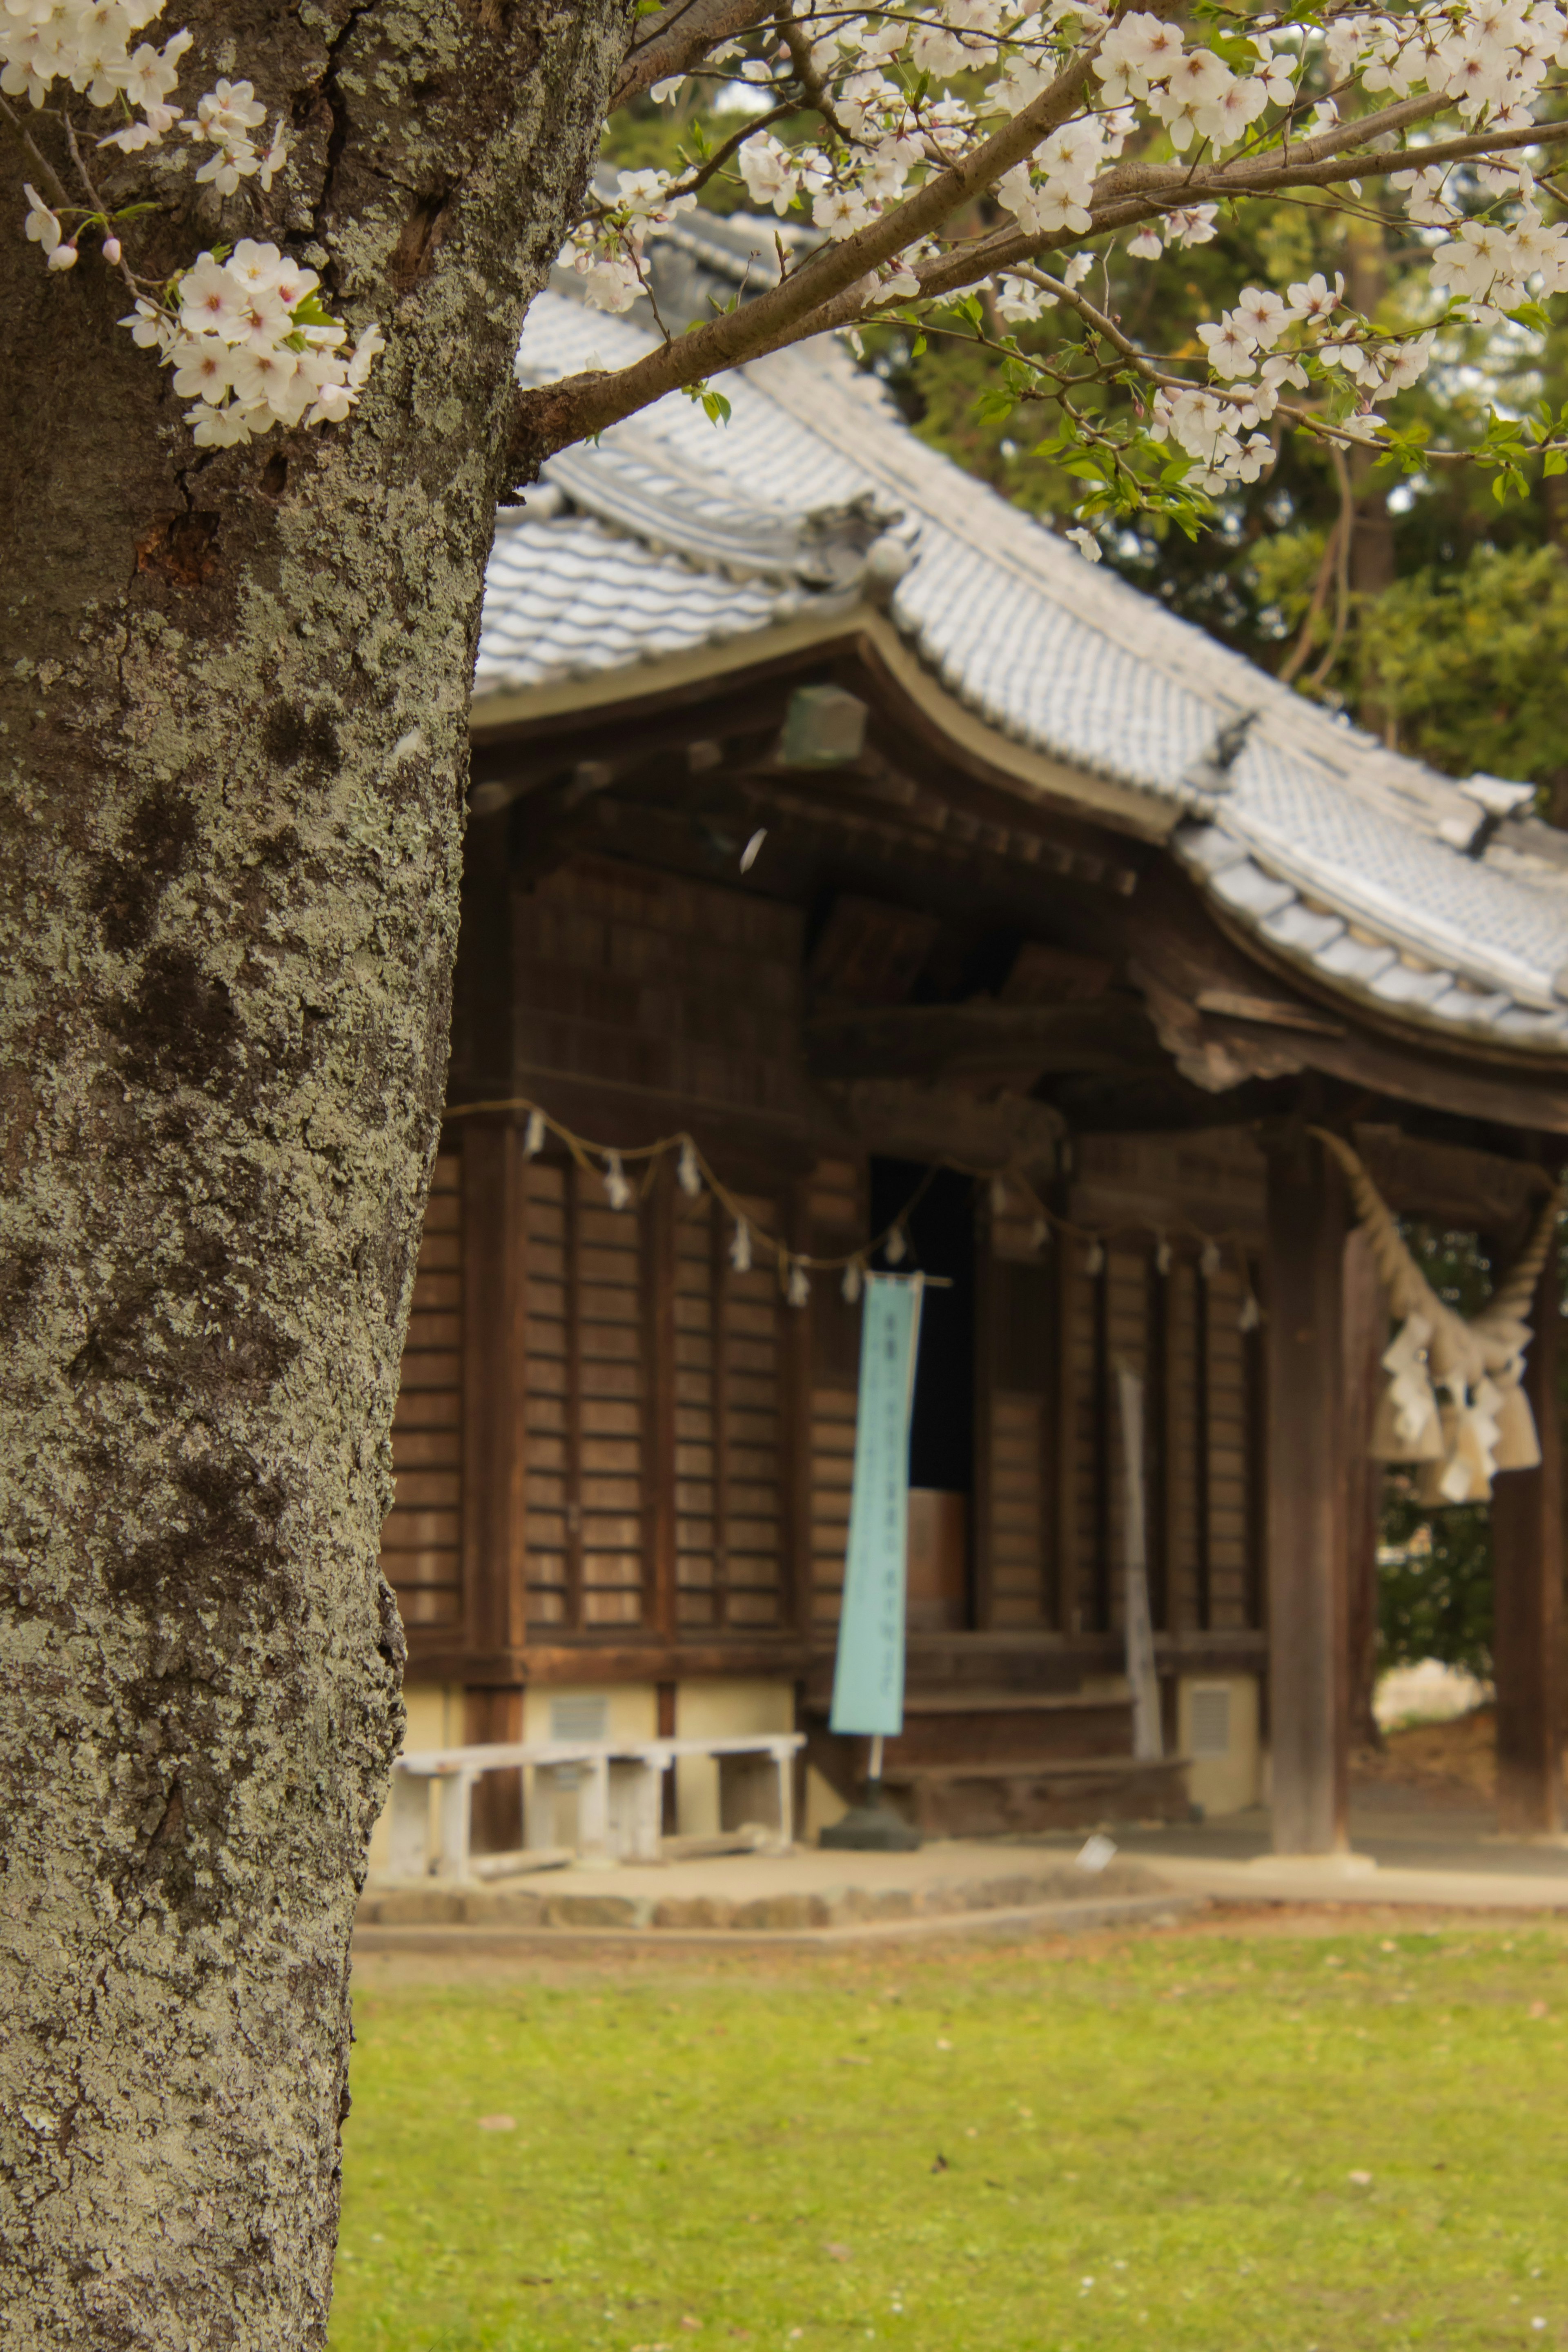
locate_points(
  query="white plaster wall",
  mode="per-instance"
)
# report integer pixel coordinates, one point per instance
(721, 1710)
(631, 1712)
(1223, 1784)
(824, 1805)
(434, 1720)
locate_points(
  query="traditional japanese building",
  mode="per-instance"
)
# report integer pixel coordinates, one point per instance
(832, 812)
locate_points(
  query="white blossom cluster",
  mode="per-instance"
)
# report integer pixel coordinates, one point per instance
(244, 331)
(249, 340)
(86, 44)
(610, 262)
(899, 97)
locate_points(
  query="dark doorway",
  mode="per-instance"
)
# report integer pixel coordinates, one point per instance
(941, 1237)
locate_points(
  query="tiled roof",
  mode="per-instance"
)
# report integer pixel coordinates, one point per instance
(672, 534)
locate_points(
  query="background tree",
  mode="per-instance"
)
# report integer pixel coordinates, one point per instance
(1444, 626)
(244, 542)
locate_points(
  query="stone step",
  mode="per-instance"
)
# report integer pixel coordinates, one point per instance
(844, 1903)
(983, 1728)
(996, 1798)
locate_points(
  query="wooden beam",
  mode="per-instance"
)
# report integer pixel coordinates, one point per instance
(436, 1658)
(1307, 1221)
(1100, 1420)
(1365, 1337)
(1061, 1484)
(1527, 1597)
(989, 1278)
(1449, 1183)
(902, 1119)
(1157, 1355)
(1203, 1468)
(1255, 1361)
(916, 1040)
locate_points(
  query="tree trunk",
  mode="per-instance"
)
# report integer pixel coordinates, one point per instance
(1373, 566)
(234, 708)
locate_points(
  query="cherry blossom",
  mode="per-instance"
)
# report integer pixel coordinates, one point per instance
(1142, 129)
(245, 335)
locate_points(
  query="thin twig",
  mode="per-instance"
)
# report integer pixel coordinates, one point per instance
(1303, 644)
(717, 161)
(98, 203)
(811, 82)
(1341, 566)
(45, 169)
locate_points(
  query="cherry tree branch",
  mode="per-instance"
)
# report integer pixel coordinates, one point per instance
(838, 287)
(548, 416)
(678, 37)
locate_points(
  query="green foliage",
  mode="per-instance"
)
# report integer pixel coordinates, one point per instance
(1435, 1567)
(963, 2150)
(1456, 623)
(1434, 1584)
(1469, 661)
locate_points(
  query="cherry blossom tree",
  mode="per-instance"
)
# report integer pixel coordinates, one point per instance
(971, 146)
(259, 299)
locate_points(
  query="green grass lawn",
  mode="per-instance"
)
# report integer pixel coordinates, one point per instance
(1180, 2140)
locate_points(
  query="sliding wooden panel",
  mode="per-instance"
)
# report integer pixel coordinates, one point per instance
(609, 1389)
(550, 1550)
(421, 1541)
(587, 1548)
(729, 1432)
(1228, 1516)
(1015, 1451)
(494, 1246)
(752, 1420)
(835, 1225)
(699, 1242)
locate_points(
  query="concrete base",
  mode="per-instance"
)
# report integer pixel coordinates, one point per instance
(872, 1827)
(1330, 1866)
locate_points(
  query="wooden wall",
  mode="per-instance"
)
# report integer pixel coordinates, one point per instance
(421, 1542)
(637, 980)
(686, 1438)
(606, 1435)
(835, 1220)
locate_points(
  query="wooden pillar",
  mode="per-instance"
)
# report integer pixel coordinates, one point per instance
(1527, 1599)
(494, 1447)
(494, 1714)
(1365, 1338)
(1304, 1275)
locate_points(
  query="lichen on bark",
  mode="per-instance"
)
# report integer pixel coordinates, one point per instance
(234, 700)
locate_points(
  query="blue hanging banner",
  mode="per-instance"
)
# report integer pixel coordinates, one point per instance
(869, 1674)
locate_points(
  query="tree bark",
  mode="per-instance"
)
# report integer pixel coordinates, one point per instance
(233, 736)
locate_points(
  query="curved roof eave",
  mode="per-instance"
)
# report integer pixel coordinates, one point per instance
(673, 551)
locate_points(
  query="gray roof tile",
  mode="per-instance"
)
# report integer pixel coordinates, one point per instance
(1353, 960)
(677, 533)
(1252, 892)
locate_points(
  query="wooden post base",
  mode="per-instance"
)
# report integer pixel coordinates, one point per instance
(1307, 1585)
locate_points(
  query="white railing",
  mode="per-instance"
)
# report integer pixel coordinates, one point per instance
(619, 1787)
